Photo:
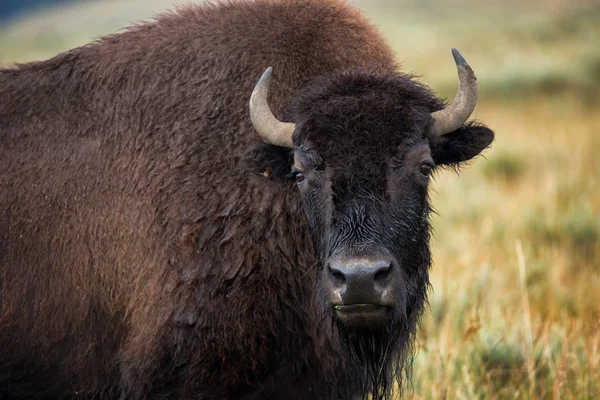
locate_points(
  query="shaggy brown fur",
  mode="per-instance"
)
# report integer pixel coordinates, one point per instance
(136, 259)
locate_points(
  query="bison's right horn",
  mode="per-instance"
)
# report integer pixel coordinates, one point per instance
(268, 127)
(458, 112)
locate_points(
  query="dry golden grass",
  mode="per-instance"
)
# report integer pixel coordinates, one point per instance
(515, 310)
(515, 305)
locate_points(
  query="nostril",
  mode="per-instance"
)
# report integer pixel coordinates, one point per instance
(383, 272)
(338, 276)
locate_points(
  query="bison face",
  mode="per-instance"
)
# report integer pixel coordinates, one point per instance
(361, 153)
(368, 211)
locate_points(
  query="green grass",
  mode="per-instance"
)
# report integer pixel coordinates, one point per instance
(515, 310)
(578, 229)
(506, 166)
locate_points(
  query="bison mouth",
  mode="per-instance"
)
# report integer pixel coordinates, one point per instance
(362, 315)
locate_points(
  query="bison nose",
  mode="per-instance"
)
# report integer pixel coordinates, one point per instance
(360, 281)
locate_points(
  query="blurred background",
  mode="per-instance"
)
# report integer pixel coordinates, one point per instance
(515, 304)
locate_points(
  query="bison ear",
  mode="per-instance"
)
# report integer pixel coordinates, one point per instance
(461, 145)
(274, 162)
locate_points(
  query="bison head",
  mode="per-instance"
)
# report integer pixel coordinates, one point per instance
(361, 151)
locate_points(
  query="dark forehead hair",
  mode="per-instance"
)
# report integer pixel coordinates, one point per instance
(361, 115)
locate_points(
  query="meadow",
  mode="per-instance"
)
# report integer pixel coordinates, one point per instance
(515, 301)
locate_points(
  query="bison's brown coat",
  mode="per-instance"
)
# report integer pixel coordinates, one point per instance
(136, 259)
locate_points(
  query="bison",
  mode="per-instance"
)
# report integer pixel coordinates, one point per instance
(161, 239)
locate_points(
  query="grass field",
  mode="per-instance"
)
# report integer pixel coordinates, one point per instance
(515, 306)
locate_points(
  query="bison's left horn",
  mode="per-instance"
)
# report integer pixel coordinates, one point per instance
(270, 128)
(458, 112)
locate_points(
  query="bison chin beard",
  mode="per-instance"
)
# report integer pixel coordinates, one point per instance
(380, 357)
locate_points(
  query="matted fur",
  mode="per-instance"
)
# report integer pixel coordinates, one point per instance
(136, 259)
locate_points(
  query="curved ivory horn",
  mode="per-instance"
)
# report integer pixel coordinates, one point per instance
(268, 127)
(456, 114)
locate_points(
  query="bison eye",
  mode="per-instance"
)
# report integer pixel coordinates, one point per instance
(425, 169)
(300, 177)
